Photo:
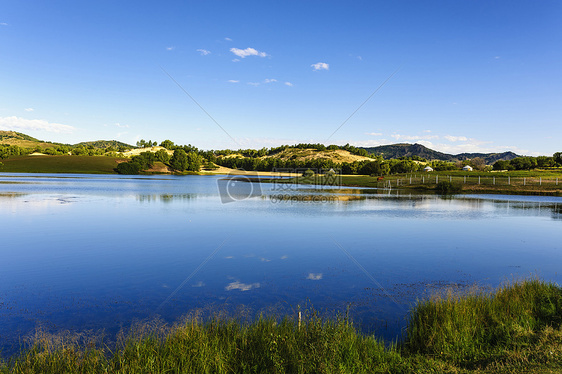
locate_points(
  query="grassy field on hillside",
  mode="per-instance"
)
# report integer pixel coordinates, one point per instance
(514, 329)
(60, 164)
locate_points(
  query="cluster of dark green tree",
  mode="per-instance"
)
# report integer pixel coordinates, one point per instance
(528, 163)
(7, 150)
(180, 161)
(376, 166)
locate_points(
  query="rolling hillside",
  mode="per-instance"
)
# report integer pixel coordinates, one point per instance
(102, 144)
(22, 140)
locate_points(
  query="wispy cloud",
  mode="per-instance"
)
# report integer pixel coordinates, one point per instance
(255, 84)
(314, 276)
(321, 66)
(29, 109)
(235, 60)
(413, 137)
(204, 52)
(198, 284)
(18, 123)
(456, 138)
(3, 24)
(270, 81)
(243, 53)
(233, 81)
(121, 126)
(373, 133)
(288, 84)
(241, 286)
(170, 48)
(228, 39)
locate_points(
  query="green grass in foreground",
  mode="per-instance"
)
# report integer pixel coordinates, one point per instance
(514, 329)
(60, 164)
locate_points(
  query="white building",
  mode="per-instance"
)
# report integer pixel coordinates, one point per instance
(428, 168)
(467, 168)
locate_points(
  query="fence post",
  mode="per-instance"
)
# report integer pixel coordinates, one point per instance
(540, 181)
(479, 179)
(508, 180)
(494, 180)
(436, 179)
(464, 179)
(557, 181)
(450, 178)
(524, 181)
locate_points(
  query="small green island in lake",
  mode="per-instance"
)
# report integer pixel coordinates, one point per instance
(402, 166)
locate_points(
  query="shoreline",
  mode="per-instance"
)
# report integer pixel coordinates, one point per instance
(513, 328)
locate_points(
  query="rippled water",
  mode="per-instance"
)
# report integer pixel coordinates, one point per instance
(96, 252)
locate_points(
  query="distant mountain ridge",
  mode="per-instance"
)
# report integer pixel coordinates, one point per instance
(409, 150)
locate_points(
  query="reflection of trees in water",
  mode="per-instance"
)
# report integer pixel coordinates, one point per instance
(11, 195)
(166, 198)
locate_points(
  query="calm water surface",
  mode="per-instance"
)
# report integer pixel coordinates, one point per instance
(83, 252)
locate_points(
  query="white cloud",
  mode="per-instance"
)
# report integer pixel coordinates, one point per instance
(18, 123)
(241, 286)
(456, 138)
(321, 66)
(3, 24)
(270, 81)
(254, 84)
(198, 284)
(497, 57)
(288, 84)
(243, 53)
(235, 60)
(203, 52)
(374, 133)
(121, 126)
(368, 143)
(228, 39)
(233, 81)
(29, 109)
(427, 131)
(413, 137)
(170, 48)
(314, 276)
(360, 58)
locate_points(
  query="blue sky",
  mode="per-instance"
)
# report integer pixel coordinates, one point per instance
(469, 76)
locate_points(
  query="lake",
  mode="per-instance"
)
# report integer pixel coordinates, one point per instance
(93, 252)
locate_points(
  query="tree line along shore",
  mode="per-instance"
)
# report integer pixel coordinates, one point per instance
(531, 175)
